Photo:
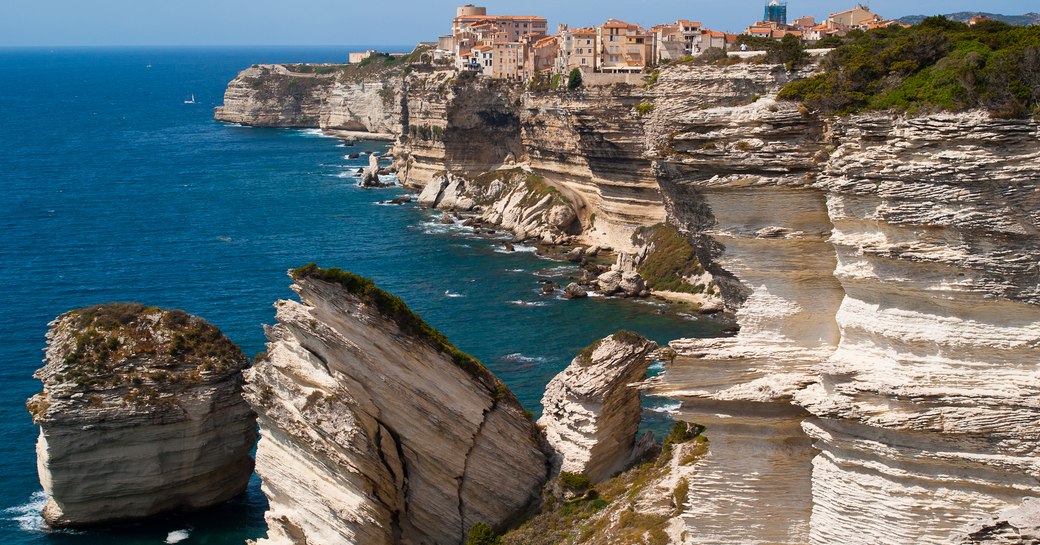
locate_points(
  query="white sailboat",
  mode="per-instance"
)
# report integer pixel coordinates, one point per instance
(192, 101)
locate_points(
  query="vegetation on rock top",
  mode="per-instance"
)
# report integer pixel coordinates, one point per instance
(140, 352)
(623, 336)
(609, 513)
(939, 65)
(395, 310)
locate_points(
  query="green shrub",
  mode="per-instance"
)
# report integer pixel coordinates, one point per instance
(575, 481)
(939, 65)
(679, 495)
(482, 534)
(669, 260)
(574, 79)
(644, 108)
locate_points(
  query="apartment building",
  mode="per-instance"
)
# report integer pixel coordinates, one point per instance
(623, 47)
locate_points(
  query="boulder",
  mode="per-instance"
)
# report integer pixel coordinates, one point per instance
(574, 291)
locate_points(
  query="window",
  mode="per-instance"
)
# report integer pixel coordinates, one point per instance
(583, 60)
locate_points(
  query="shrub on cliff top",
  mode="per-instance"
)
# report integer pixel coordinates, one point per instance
(394, 309)
(938, 65)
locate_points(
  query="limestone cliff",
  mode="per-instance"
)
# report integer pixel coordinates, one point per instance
(374, 429)
(141, 414)
(592, 411)
(885, 272)
(342, 98)
(882, 268)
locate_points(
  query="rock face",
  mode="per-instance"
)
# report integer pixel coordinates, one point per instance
(375, 430)
(591, 411)
(141, 414)
(884, 271)
(1013, 526)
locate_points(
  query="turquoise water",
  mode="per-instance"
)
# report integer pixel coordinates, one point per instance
(114, 190)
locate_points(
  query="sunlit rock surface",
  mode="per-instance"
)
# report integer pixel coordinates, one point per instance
(141, 414)
(375, 430)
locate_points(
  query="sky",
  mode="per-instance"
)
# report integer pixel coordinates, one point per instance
(386, 22)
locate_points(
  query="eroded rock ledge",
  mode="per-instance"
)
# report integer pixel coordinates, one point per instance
(376, 430)
(141, 414)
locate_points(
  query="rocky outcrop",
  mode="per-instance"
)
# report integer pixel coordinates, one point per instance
(141, 414)
(513, 199)
(591, 410)
(374, 429)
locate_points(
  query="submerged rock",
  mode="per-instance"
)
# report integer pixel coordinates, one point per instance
(592, 412)
(376, 430)
(141, 414)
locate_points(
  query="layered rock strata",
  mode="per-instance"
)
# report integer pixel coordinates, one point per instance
(591, 411)
(141, 414)
(374, 429)
(884, 270)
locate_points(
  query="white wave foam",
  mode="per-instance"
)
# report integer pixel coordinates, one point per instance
(657, 367)
(449, 293)
(314, 133)
(516, 270)
(517, 357)
(177, 536)
(562, 270)
(28, 516)
(668, 408)
(528, 303)
(518, 248)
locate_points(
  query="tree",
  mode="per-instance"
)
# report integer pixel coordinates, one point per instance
(574, 79)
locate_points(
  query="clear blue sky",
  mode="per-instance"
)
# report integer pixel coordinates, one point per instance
(341, 22)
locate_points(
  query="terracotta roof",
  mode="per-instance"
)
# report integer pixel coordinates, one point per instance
(715, 33)
(614, 23)
(688, 23)
(482, 48)
(584, 30)
(545, 41)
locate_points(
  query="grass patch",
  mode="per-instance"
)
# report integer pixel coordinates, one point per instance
(606, 514)
(644, 109)
(670, 259)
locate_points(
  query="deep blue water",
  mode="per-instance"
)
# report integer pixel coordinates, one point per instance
(114, 190)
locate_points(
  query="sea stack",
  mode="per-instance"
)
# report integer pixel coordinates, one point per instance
(141, 414)
(376, 430)
(592, 412)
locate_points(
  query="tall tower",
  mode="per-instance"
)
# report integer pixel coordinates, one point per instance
(776, 12)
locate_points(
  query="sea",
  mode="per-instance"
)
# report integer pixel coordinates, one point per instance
(114, 189)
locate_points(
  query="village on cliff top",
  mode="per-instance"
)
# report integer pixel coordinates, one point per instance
(518, 47)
